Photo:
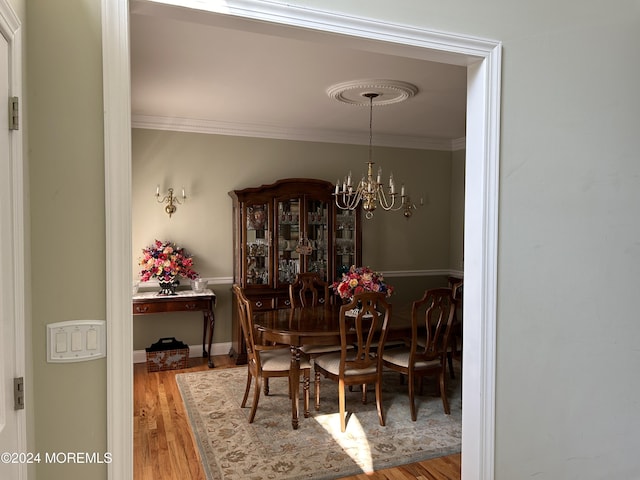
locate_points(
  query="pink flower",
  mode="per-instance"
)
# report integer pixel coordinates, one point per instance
(361, 279)
(165, 260)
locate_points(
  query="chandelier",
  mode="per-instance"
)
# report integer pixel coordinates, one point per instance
(370, 191)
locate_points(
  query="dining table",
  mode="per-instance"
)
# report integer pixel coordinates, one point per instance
(306, 326)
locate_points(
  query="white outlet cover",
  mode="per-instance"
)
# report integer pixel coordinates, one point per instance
(76, 341)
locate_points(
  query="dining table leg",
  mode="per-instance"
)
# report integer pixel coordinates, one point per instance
(294, 383)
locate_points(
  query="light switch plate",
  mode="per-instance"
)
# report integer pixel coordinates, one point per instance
(76, 341)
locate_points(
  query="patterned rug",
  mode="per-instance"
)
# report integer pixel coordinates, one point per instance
(269, 448)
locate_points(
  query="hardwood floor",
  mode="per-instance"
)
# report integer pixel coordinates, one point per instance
(164, 448)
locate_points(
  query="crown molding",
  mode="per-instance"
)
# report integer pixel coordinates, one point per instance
(212, 127)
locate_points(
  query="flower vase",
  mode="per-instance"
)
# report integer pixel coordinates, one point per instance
(355, 310)
(167, 286)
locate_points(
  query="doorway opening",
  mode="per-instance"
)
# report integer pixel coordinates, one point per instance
(482, 60)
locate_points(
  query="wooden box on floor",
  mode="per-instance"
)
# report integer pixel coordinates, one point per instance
(167, 354)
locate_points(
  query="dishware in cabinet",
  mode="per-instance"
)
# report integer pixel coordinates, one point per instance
(255, 248)
(283, 229)
(348, 241)
(302, 226)
(318, 232)
(288, 233)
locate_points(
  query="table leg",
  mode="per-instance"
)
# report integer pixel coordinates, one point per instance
(205, 327)
(294, 382)
(210, 321)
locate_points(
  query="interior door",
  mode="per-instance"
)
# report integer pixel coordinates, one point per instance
(13, 464)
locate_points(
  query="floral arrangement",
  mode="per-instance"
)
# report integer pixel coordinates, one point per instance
(165, 261)
(361, 279)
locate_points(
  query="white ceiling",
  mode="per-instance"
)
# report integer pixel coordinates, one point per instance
(200, 71)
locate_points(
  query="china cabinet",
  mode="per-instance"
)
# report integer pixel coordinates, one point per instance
(285, 228)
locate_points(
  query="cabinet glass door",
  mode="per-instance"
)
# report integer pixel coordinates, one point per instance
(288, 229)
(317, 237)
(345, 241)
(257, 245)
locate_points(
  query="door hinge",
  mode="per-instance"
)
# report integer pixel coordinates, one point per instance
(14, 118)
(18, 393)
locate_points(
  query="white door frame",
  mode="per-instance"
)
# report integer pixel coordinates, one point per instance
(10, 29)
(483, 61)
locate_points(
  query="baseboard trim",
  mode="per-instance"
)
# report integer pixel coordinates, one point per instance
(140, 356)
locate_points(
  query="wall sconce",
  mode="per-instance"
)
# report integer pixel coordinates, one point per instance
(170, 200)
(409, 207)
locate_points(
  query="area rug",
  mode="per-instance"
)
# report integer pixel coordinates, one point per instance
(231, 448)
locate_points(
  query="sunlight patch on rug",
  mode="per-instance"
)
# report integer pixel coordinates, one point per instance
(353, 442)
(233, 449)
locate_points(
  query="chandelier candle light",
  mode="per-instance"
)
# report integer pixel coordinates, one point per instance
(370, 191)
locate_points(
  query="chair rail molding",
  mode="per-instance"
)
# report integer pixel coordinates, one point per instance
(422, 273)
(481, 57)
(210, 281)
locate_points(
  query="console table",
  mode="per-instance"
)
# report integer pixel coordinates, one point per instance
(145, 303)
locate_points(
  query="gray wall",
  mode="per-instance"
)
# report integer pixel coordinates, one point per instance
(66, 166)
(569, 256)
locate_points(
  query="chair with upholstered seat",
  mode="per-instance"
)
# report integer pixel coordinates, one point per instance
(426, 355)
(265, 361)
(310, 290)
(359, 365)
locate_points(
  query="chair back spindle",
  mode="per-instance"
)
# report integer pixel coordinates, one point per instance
(436, 309)
(308, 290)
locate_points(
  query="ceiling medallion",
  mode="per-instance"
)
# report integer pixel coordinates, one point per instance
(387, 92)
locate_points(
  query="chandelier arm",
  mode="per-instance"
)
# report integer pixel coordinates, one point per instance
(386, 204)
(350, 201)
(347, 200)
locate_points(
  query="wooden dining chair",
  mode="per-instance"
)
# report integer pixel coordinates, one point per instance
(266, 361)
(455, 348)
(309, 290)
(426, 355)
(359, 365)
